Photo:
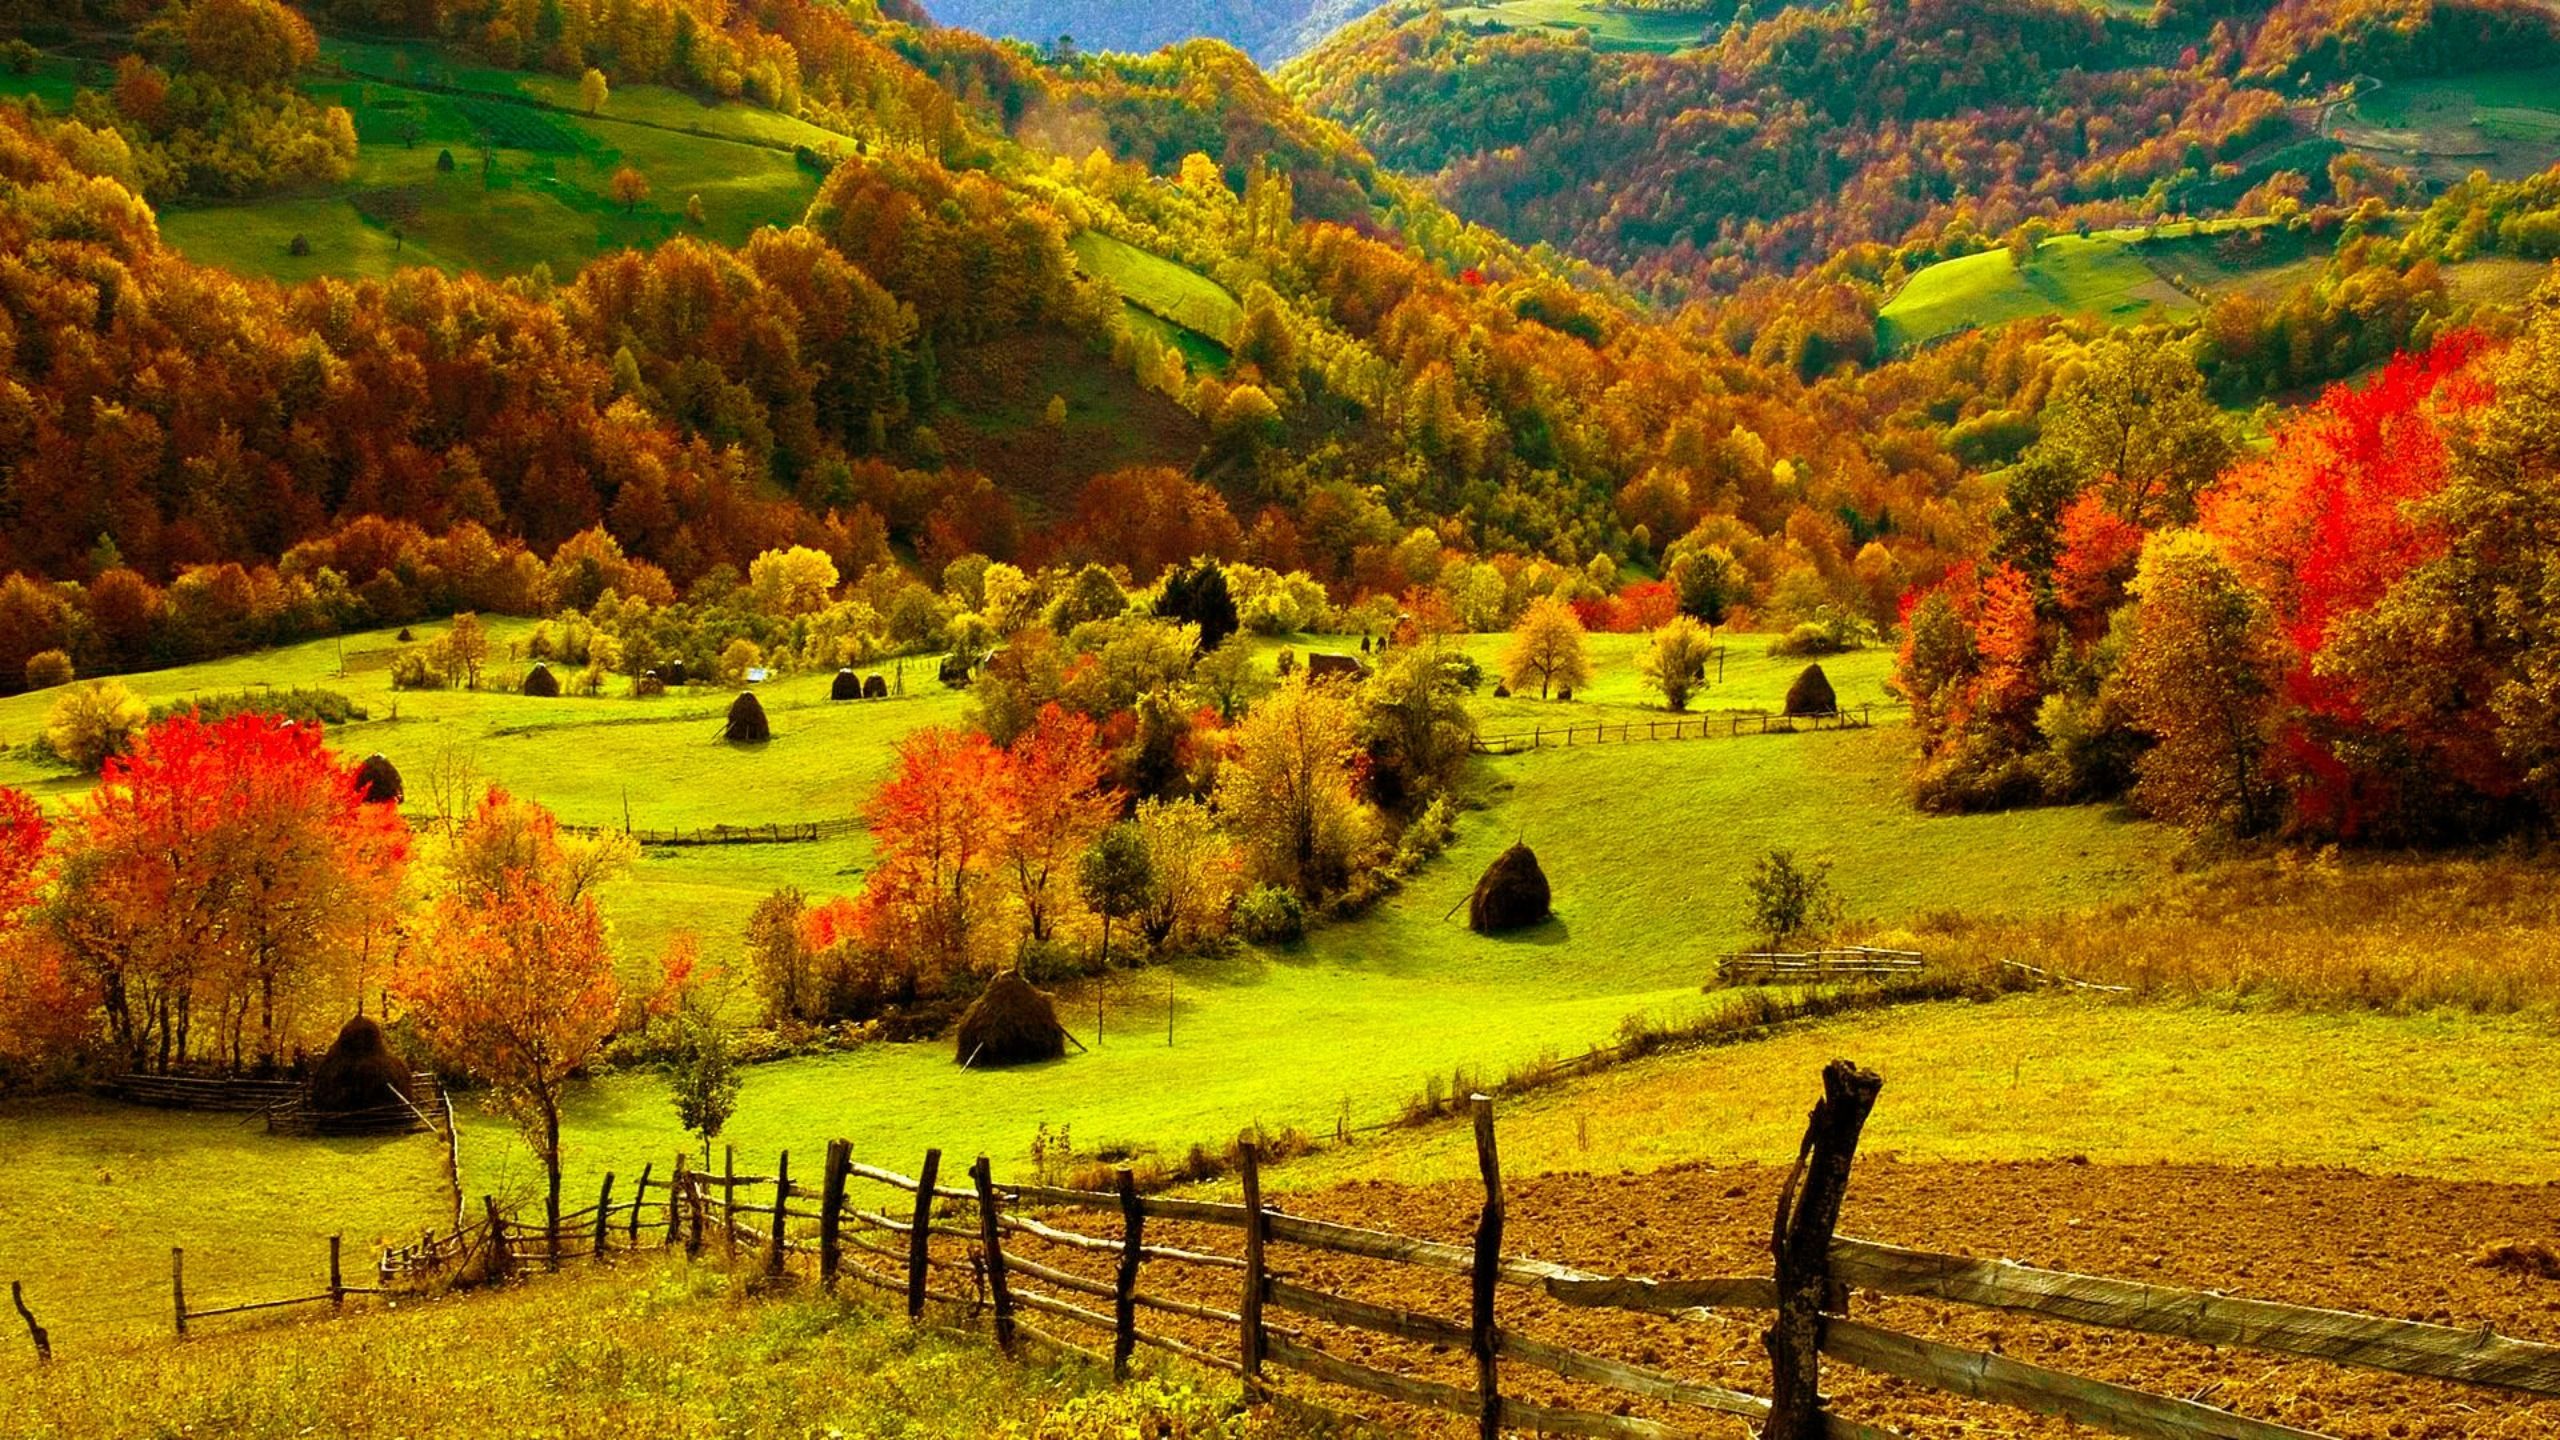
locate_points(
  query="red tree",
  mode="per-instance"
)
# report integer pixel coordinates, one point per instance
(1054, 805)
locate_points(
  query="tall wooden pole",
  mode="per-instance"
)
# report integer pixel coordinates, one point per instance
(920, 1234)
(830, 1211)
(178, 1287)
(1255, 1282)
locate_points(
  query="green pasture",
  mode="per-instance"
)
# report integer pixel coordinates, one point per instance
(2101, 274)
(2046, 1076)
(51, 82)
(1170, 291)
(2506, 122)
(542, 196)
(1607, 26)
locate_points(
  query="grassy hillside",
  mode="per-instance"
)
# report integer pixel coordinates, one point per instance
(2445, 127)
(1608, 27)
(1173, 293)
(540, 200)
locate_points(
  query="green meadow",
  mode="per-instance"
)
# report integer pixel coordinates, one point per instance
(1176, 294)
(1608, 26)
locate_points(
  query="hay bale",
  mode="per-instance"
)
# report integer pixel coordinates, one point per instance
(747, 725)
(1511, 895)
(874, 688)
(1812, 694)
(1501, 691)
(540, 683)
(1564, 693)
(847, 686)
(404, 637)
(649, 684)
(1321, 664)
(673, 673)
(1010, 1024)
(378, 781)
(360, 1072)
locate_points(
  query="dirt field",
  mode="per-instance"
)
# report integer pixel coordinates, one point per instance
(2388, 1246)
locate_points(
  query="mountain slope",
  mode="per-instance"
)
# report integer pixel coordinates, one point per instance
(1923, 125)
(1269, 30)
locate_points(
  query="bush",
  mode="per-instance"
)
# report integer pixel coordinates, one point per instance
(92, 722)
(410, 670)
(302, 705)
(1831, 631)
(48, 668)
(1269, 915)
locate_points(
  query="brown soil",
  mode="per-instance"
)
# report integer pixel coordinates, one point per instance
(2408, 1248)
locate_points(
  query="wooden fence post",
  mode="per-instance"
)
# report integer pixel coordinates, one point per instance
(920, 1234)
(337, 1277)
(178, 1287)
(498, 1260)
(1800, 1243)
(1249, 1156)
(604, 1213)
(1124, 1292)
(675, 1201)
(639, 1197)
(781, 1213)
(35, 1332)
(696, 1203)
(729, 1201)
(1484, 1338)
(830, 1201)
(991, 1239)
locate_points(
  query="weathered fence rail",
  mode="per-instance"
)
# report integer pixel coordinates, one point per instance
(1730, 724)
(779, 832)
(1844, 962)
(1153, 1275)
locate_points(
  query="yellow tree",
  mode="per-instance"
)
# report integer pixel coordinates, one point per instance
(1676, 661)
(1290, 790)
(592, 90)
(512, 980)
(1546, 646)
(628, 187)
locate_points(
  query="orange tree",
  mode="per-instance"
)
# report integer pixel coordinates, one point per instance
(223, 872)
(512, 979)
(1055, 805)
(938, 824)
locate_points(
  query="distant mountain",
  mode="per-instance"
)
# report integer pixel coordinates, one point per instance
(1269, 30)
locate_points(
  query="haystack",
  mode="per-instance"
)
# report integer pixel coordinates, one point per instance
(874, 688)
(1812, 694)
(649, 684)
(1010, 1024)
(378, 781)
(1511, 896)
(540, 683)
(673, 672)
(747, 725)
(360, 1072)
(847, 686)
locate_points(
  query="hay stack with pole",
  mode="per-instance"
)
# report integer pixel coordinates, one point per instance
(874, 688)
(847, 686)
(674, 673)
(360, 1073)
(1811, 694)
(746, 724)
(1512, 895)
(1010, 1023)
(378, 781)
(540, 683)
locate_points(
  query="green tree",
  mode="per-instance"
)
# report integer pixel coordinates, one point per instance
(1791, 898)
(1117, 880)
(2135, 421)
(1417, 723)
(785, 972)
(702, 1074)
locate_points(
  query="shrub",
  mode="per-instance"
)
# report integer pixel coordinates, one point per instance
(92, 722)
(1831, 631)
(411, 670)
(48, 668)
(303, 705)
(1269, 915)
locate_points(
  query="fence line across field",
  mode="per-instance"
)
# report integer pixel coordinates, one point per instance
(1731, 723)
(1008, 1256)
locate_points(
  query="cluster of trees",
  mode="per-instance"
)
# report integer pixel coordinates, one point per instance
(206, 105)
(2322, 640)
(1912, 124)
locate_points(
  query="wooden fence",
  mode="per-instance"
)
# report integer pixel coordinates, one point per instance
(1678, 727)
(335, 1296)
(1848, 962)
(796, 832)
(1160, 1276)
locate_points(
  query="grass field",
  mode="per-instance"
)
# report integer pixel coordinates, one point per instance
(2101, 274)
(1609, 27)
(649, 1347)
(541, 201)
(2046, 1076)
(1171, 292)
